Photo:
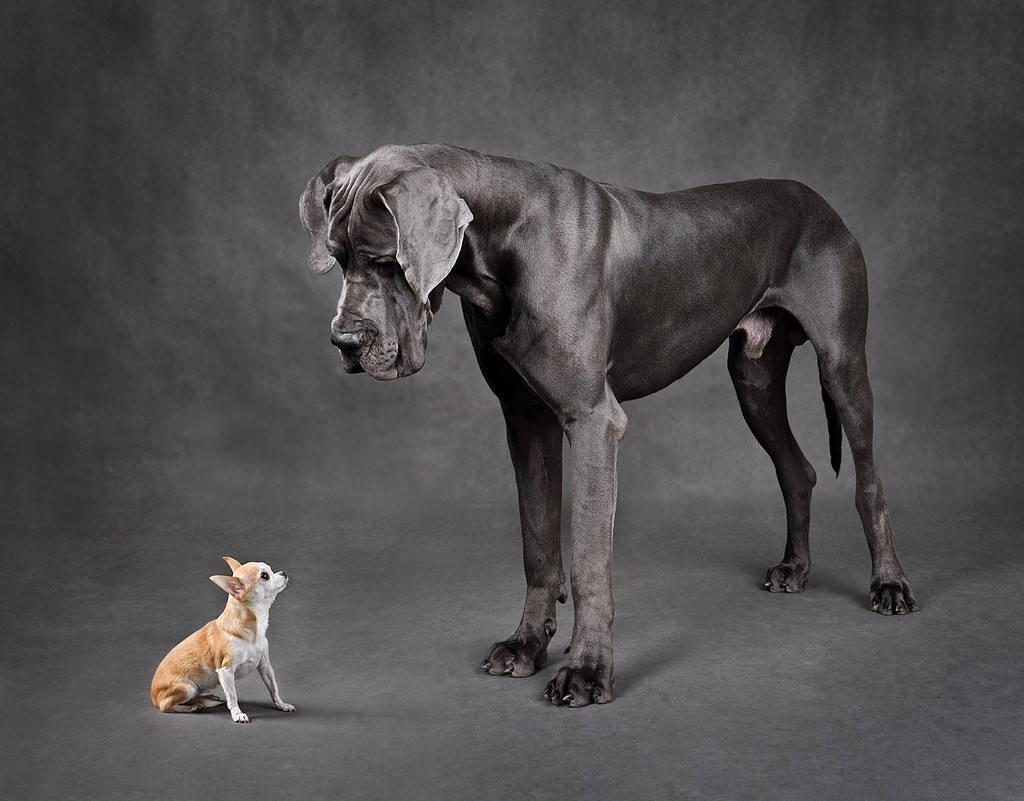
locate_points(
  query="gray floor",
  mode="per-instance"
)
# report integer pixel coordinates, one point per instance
(724, 691)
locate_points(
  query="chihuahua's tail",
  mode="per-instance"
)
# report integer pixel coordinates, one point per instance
(206, 701)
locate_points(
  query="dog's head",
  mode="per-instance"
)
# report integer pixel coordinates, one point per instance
(253, 584)
(395, 227)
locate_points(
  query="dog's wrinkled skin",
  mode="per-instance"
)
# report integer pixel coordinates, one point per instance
(396, 228)
(580, 295)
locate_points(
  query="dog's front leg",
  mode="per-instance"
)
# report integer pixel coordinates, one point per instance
(266, 672)
(535, 444)
(227, 681)
(587, 673)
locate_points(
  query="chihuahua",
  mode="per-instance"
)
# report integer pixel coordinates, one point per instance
(226, 648)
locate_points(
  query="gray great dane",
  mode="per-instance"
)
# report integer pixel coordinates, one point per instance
(579, 295)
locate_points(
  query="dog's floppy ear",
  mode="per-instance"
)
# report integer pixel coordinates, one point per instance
(231, 585)
(314, 210)
(313, 214)
(234, 564)
(430, 219)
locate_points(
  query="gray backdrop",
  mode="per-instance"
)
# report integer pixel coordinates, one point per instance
(170, 394)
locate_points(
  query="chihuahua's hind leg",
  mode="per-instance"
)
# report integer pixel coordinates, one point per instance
(187, 708)
(184, 698)
(180, 697)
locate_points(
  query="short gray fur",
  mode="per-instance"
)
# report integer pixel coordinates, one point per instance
(579, 295)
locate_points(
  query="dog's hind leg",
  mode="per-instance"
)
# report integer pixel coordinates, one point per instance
(188, 707)
(833, 312)
(759, 354)
(178, 696)
(845, 378)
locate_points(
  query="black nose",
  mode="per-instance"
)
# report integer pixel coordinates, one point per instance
(348, 341)
(283, 573)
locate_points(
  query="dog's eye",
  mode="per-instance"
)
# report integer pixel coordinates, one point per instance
(265, 576)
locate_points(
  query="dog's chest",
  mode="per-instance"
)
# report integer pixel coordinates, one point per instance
(246, 655)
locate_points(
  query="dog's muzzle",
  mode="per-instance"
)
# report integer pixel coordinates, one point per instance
(349, 342)
(352, 345)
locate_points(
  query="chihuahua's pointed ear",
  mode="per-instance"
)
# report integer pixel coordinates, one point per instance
(231, 585)
(234, 564)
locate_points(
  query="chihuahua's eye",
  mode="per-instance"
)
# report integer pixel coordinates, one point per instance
(265, 576)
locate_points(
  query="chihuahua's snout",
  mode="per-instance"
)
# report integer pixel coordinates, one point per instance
(282, 573)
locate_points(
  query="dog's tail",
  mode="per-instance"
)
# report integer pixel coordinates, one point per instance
(835, 430)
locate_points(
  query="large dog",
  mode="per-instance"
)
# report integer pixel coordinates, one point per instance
(579, 295)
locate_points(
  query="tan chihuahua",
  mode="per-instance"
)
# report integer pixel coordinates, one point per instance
(226, 648)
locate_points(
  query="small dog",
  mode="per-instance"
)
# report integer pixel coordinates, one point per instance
(226, 648)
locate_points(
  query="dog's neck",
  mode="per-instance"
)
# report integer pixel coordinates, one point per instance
(479, 290)
(495, 192)
(247, 621)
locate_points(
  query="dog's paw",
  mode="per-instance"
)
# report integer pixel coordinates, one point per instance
(581, 685)
(285, 707)
(893, 597)
(239, 717)
(519, 657)
(786, 578)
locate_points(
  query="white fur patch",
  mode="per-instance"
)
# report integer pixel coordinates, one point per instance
(758, 327)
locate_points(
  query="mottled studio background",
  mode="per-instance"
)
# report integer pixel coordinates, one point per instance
(169, 393)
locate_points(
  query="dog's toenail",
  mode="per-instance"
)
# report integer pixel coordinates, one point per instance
(485, 665)
(509, 670)
(567, 699)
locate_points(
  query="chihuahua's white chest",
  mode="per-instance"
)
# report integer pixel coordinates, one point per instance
(246, 655)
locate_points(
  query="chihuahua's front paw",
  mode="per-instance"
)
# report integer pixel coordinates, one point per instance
(239, 717)
(284, 707)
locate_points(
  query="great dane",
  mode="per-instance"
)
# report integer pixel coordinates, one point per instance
(579, 295)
